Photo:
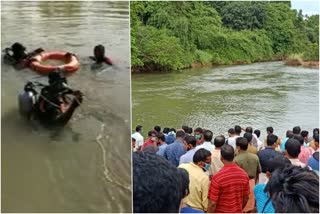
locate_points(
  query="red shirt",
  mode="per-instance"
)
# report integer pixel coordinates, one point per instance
(148, 142)
(228, 188)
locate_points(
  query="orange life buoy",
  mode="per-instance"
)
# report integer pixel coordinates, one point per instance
(71, 62)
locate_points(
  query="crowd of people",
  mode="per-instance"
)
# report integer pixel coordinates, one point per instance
(193, 171)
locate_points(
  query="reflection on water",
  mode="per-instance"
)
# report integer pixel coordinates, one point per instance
(84, 167)
(259, 95)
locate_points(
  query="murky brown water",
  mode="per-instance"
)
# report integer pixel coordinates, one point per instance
(86, 166)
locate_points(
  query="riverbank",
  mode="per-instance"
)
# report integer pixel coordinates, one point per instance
(287, 61)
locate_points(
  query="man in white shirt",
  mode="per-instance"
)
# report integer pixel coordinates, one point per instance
(139, 138)
(232, 138)
(207, 144)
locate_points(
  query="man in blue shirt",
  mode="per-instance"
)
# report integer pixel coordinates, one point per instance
(162, 147)
(189, 143)
(174, 151)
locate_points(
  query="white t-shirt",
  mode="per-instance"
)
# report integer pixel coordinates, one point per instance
(139, 139)
(232, 141)
(206, 145)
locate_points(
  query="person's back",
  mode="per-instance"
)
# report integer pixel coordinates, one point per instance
(174, 151)
(229, 189)
(248, 162)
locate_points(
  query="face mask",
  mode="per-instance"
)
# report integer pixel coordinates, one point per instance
(154, 139)
(197, 136)
(206, 167)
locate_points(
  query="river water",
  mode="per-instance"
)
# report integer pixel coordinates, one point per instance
(257, 95)
(86, 166)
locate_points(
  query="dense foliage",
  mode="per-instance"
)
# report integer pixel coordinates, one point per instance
(175, 35)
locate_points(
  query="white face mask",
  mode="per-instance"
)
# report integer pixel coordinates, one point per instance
(154, 139)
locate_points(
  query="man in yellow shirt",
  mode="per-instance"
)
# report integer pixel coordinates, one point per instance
(199, 180)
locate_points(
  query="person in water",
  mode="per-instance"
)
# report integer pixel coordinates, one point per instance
(99, 55)
(17, 56)
(53, 106)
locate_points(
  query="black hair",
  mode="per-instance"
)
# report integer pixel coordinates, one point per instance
(156, 184)
(248, 136)
(242, 143)
(249, 129)
(231, 131)
(315, 130)
(180, 134)
(17, 47)
(166, 130)
(138, 128)
(191, 140)
(237, 129)
(296, 130)
(304, 133)
(161, 137)
(207, 135)
(200, 130)
(157, 128)
(227, 152)
(294, 190)
(201, 155)
(184, 181)
(173, 129)
(185, 128)
(316, 138)
(257, 132)
(293, 147)
(270, 129)
(133, 139)
(219, 141)
(299, 138)
(289, 134)
(150, 133)
(271, 139)
(190, 130)
(279, 161)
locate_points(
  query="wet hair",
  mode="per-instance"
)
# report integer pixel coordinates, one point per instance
(257, 132)
(157, 128)
(185, 128)
(242, 143)
(294, 190)
(271, 139)
(316, 130)
(99, 49)
(249, 129)
(270, 129)
(190, 130)
(219, 141)
(156, 184)
(201, 155)
(166, 130)
(200, 130)
(237, 129)
(17, 47)
(296, 130)
(150, 133)
(279, 161)
(161, 137)
(180, 134)
(248, 136)
(299, 138)
(138, 128)
(304, 133)
(207, 135)
(289, 134)
(231, 131)
(293, 147)
(227, 152)
(184, 181)
(191, 140)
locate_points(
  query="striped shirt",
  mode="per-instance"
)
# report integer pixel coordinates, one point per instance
(228, 188)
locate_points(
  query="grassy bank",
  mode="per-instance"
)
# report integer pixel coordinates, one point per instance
(168, 36)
